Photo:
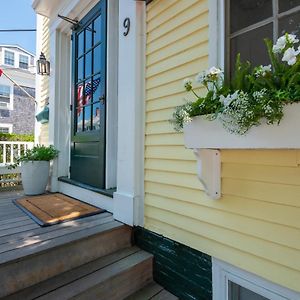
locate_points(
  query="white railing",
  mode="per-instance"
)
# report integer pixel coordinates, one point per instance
(9, 151)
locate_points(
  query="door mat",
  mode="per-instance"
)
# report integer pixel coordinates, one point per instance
(50, 209)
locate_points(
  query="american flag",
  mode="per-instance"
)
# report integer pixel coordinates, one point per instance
(83, 99)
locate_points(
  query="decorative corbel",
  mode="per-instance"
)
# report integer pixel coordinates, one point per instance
(209, 171)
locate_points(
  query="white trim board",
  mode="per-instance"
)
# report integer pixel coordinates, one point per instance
(85, 195)
(223, 272)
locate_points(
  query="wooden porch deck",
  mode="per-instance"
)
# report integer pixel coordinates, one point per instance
(92, 257)
(20, 235)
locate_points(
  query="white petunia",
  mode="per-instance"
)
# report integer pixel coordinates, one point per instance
(280, 44)
(290, 56)
(215, 71)
(263, 70)
(292, 38)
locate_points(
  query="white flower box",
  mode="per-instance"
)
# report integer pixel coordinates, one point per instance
(204, 134)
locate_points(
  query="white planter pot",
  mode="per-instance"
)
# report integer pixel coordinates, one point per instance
(35, 176)
(204, 134)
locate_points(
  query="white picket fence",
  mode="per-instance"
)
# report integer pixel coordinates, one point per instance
(8, 153)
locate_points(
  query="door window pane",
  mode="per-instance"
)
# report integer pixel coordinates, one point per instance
(97, 89)
(251, 46)
(285, 5)
(88, 92)
(248, 12)
(80, 70)
(97, 30)
(88, 38)
(237, 292)
(96, 116)
(80, 44)
(88, 64)
(87, 118)
(79, 124)
(97, 59)
(290, 24)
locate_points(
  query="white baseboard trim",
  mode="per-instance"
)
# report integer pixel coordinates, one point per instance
(123, 208)
(87, 196)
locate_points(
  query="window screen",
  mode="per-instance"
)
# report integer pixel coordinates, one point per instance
(9, 58)
(23, 61)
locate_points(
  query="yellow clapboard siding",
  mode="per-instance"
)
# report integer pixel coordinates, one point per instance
(169, 89)
(157, 7)
(177, 179)
(174, 152)
(275, 272)
(261, 157)
(161, 115)
(171, 37)
(272, 212)
(256, 224)
(194, 9)
(170, 166)
(185, 43)
(272, 174)
(271, 232)
(188, 62)
(175, 139)
(283, 255)
(268, 192)
(166, 15)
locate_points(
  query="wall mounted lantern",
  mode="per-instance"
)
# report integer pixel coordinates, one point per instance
(43, 65)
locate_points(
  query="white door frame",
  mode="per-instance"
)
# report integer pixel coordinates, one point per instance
(129, 198)
(125, 111)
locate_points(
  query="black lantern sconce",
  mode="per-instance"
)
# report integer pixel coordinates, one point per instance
(43, 65)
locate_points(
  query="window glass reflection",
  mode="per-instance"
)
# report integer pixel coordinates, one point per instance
(87, 118)
(88, 64)
(80, 43)
(97, 30)
(79, 119)
(96, 116)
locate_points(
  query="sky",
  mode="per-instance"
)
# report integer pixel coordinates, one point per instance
(18, 14)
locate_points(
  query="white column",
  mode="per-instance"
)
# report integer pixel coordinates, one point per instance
(59, 103)
(128, 200)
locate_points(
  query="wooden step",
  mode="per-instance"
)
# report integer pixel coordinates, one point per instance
(152, 291)
(113, 277)
(35, 254)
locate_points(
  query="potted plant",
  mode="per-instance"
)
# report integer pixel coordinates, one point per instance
(35, 164)
(247, 103)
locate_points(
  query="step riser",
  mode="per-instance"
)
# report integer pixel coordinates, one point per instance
(122, 285)
(33, 269)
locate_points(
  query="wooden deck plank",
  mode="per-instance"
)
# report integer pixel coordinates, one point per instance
(164, 295)
(65, 278)
(13, 220)
(52, 235)
(18, 229)
(41, 230)
(147, 292)
(94, 283)
(36, 248)
(16, 224)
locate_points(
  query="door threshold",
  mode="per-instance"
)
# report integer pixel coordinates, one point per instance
(105, 192)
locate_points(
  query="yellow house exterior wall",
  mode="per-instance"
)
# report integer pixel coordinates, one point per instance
(256, 223)
(43, 137)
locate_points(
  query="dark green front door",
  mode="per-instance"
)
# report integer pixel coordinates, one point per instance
(89, 94)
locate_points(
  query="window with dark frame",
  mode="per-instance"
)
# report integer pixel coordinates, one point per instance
(23, 61)
(249, 22)
(4, 96)
(9, 58)
(4, 130)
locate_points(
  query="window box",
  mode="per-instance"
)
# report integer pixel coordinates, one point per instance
(204, 134)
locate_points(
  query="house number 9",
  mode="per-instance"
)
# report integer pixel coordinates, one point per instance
(126, 25)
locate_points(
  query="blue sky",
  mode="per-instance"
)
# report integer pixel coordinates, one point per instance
(18, 14)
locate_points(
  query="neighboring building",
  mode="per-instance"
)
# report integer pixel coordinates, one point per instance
(17, 110)
(245, 245)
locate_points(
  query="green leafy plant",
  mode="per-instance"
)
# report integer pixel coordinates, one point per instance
(253, 94)
(37, 153)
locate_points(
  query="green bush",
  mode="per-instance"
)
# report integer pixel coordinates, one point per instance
(16, 137)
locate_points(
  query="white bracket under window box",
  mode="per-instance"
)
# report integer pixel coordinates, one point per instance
(201, 133)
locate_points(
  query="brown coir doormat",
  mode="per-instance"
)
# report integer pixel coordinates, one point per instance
(51, 209)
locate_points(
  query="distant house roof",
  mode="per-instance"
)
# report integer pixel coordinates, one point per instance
(18, 47)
